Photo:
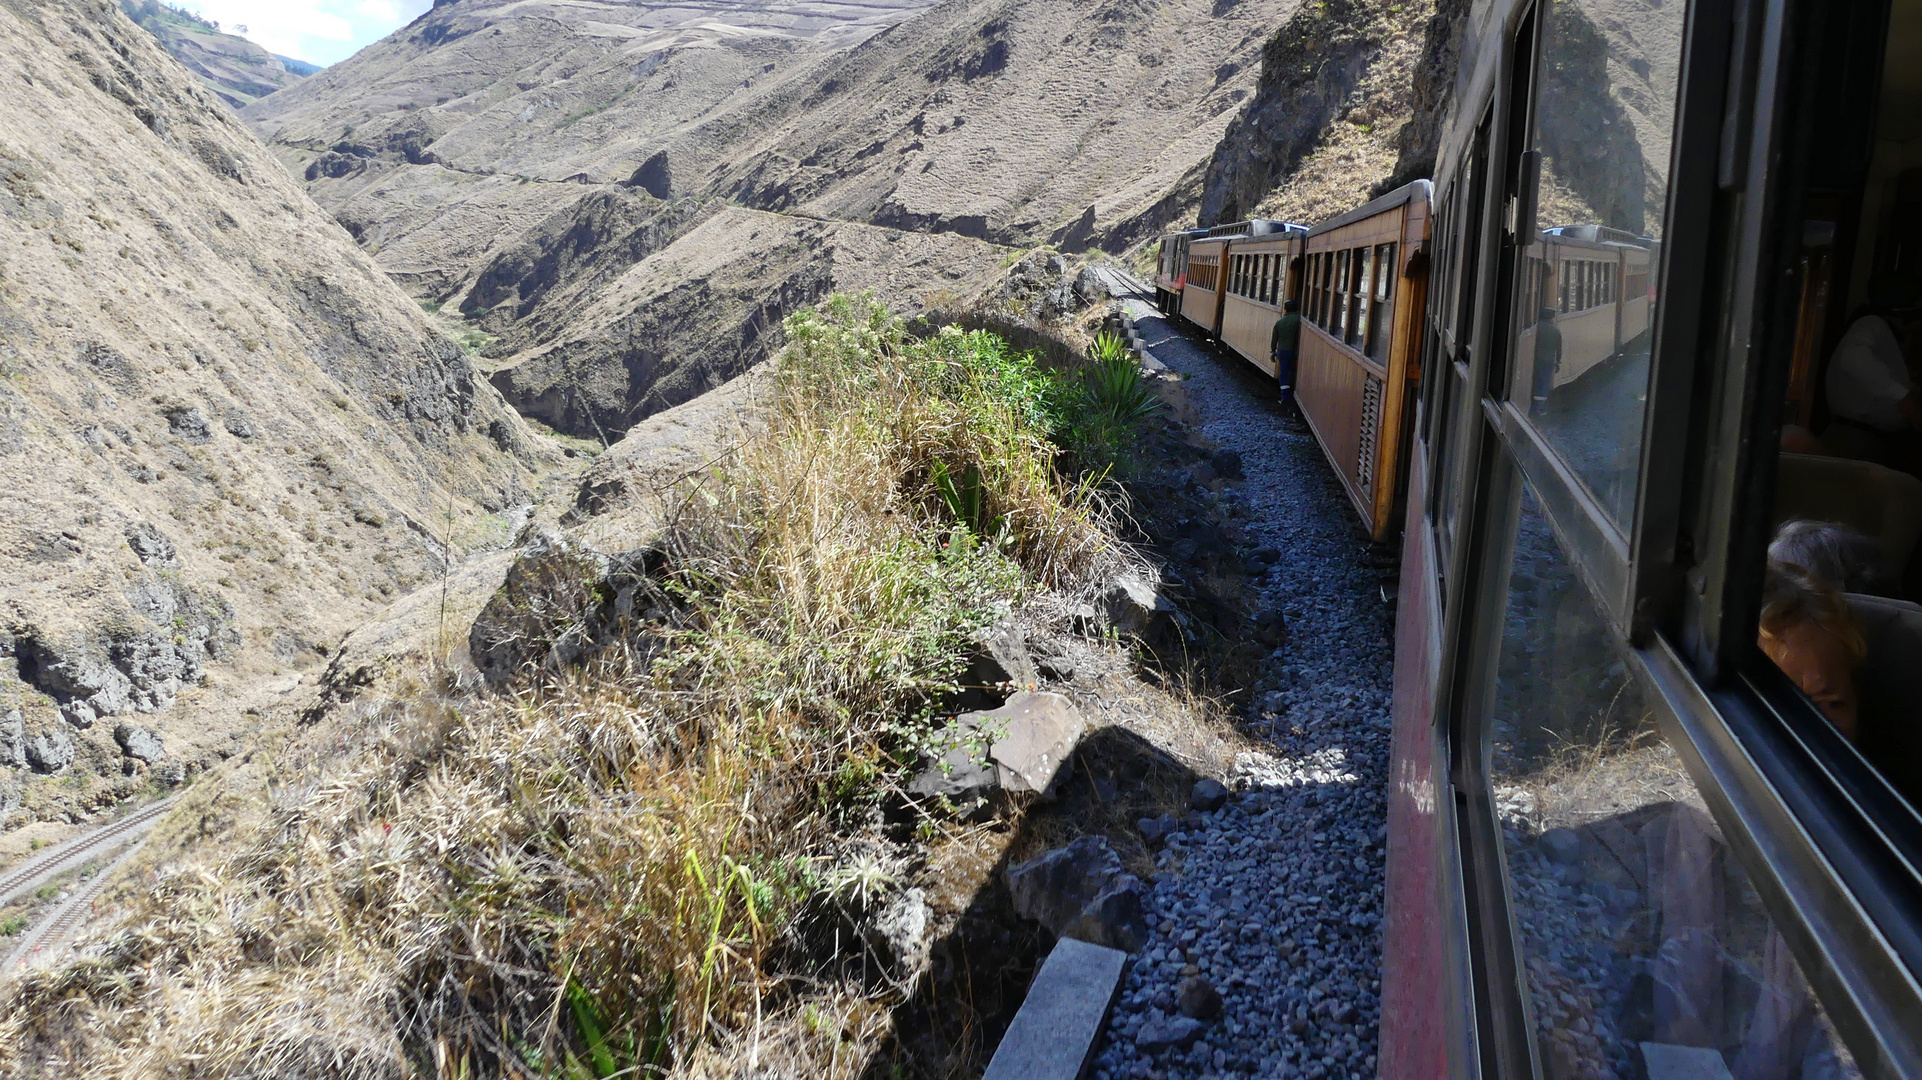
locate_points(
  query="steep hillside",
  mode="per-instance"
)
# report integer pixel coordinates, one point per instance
(225, 436)
(559, 148)
(635, 327)
(1348, 102)
(234, 68)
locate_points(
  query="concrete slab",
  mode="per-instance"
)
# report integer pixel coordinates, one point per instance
(1053, 1035)
(1667, 1061)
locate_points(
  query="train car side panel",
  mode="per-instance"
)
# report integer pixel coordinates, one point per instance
(1332, 389)
(1415, 977)
(1248, 314)
(1200, 294)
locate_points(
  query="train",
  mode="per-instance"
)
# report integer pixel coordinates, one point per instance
(1567, 378)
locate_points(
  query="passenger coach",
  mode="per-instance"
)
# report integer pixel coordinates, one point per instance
(1653, 789)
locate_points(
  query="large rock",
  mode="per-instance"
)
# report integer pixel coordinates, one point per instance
(561, 602)
(1081, 891)
(1001, 664)
(1019, 747)
(960, 772)
(13, 740)
(1035, 735)
(1132, 607)
(50, 751)
(141, 744)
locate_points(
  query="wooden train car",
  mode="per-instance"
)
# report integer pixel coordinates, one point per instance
(1209, 268)
(1201, 295)
(1262, 274)
(1363, 298)
(1171, 268)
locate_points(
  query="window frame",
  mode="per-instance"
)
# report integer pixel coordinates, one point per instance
(1770, 768)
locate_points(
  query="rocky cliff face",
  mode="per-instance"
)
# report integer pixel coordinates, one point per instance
(533, 164)
(225, 436)
(1337, 112)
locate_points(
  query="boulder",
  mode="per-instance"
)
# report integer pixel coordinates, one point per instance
(1058, 668)
(1034, 734)
(560, 603)
(141, 744)
(1208, 795)
(50, 751)
(1228, 464)
(13, 740)
(999, 665)
(899, 936)
(1082, 891)
(1131, 607)
(960, 771)
(1561, 845)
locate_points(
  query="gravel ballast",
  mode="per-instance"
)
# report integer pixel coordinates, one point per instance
(1264, 953)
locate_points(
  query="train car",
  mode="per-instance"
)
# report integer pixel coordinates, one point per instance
(1363, 295)
(1636, 831)
(1171, 269)
(1263, 271)
(1202, 298)
(1201, 295)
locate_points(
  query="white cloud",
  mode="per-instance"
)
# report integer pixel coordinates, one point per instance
(317, 31)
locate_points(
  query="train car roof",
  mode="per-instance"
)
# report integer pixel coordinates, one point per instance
(1256, 227)
(1407, 193)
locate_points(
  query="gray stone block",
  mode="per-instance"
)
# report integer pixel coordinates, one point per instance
(1054, 1033)
(1667, 1061)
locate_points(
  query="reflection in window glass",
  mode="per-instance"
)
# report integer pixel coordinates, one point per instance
(1646, 951)
(1605, 112)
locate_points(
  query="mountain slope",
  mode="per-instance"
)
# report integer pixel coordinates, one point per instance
(235, 69)
(225, 436)
(557, 147)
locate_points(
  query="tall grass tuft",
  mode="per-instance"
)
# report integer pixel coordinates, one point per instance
(597, 873)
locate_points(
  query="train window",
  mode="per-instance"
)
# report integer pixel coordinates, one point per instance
(1643, 946)
(1326, 278)
(1360, 286)
(1381, 310)
(1603, 118)
(1338, 296)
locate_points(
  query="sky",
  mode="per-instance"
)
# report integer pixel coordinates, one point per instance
(318, 31)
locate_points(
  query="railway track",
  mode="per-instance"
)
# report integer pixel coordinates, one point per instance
(46, 939)
(73, 853)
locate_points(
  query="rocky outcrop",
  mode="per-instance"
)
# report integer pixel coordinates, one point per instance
(562, 602)
(628, 341)
(1309, 70)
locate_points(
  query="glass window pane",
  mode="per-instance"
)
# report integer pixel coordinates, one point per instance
(1604, 116)
(1644, 944)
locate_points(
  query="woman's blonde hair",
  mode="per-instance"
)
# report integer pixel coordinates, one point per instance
(1791, 595)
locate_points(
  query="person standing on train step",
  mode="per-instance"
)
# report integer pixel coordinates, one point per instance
(1548, 357)
(1872, 397)
(1284, 344)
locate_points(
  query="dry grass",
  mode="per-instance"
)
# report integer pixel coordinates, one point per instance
(596, 874)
